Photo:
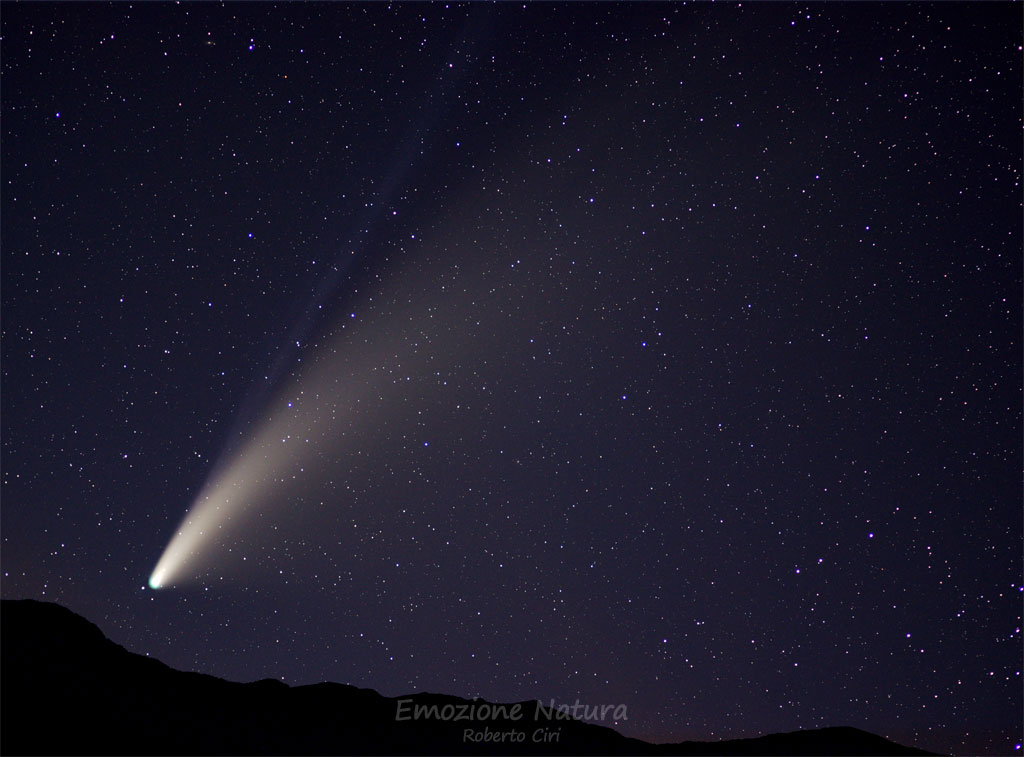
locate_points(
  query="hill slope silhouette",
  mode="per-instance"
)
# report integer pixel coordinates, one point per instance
(67, 689)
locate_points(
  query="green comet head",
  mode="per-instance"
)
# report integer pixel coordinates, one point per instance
(153, 582)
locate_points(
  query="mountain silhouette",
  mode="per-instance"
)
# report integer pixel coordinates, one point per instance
(67, 689)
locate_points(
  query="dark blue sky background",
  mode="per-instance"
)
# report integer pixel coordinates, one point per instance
(692, 334)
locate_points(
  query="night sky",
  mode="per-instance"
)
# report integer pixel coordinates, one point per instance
(657, 354)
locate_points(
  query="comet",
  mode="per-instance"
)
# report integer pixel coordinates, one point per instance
(303, 431)
(315, 417)
(329, 413)
(349, 388)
